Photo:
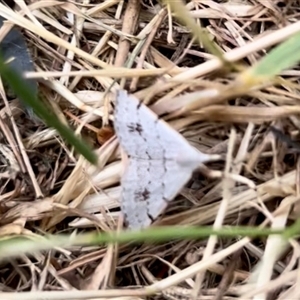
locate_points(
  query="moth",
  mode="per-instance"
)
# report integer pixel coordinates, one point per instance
(160, 161)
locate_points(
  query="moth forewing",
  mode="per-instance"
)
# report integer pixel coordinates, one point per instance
(141, 197)
(124, 161)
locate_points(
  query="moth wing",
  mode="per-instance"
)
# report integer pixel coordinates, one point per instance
(135, 129)
(134, 195)
(160, 163)
(143, 135)
(147, 189)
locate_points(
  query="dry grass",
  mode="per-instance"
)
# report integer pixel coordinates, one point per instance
(79, 49)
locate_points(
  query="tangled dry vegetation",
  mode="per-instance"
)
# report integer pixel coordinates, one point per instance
(49, 189)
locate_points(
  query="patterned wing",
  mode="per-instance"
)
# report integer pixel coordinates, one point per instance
(161, 161)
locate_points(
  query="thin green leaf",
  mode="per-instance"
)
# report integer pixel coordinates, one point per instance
(199, 33)
(21, 89)
(284, 56)
(21, 245)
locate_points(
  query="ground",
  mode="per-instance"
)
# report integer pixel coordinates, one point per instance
(208, 68)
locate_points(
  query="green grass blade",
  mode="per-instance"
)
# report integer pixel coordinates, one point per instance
(282, 57)
(20, 245)
(199, 33)
(21, 89)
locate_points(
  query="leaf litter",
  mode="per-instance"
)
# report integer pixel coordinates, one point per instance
(219, 111)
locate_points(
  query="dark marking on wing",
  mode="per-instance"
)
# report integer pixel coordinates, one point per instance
(151, 218)
(135, 127)
(149, 157)
(142, 196)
